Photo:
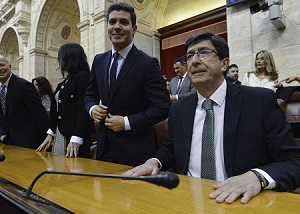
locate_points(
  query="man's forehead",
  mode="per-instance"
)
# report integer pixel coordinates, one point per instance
(200, 45)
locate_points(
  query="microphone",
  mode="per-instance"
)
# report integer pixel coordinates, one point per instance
(2, 157)
(169, 180)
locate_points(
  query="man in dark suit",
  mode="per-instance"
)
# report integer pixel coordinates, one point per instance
(24, 117)
(232, 74)
(253, 147)
(127, 104)
(180, 85)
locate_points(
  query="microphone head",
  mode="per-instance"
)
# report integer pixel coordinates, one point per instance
(172, 180)
(2, 157)
(169, 180)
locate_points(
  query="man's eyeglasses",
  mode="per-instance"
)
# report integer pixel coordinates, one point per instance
(202, 54)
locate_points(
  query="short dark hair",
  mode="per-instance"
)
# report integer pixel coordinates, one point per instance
(125, 7)
(219, 43)
(72, 59)
(181, 59)
(231, 66)
(44, 85)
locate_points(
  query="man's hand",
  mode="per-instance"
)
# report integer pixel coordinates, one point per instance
(246, 185)
(173, 98)
(150, 167)
(99, 113)
(115, 123)
(46, 143)
(72, 149)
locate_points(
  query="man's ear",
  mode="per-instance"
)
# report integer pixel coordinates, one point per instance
(225, 63)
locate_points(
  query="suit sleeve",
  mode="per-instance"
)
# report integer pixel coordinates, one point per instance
(157, 96)
(92, 95)
(282, 148)
(35, 107)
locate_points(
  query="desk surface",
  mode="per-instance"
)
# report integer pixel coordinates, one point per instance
(104, 195)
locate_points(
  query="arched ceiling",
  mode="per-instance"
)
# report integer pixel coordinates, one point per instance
(178, 10)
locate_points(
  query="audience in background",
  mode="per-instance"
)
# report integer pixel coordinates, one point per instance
(242, 139)
(127, 94)
(232, 74)
(44, 89)
(70, 125)
(180, 85)
(265, 74)
(23, 119)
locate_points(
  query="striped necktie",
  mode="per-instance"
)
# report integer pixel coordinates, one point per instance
(179, 85)
(3, 98)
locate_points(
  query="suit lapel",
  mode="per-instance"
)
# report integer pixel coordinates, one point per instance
(231, 116)
(128, 63)
(106, 65)
(189, 110)
(10, 87)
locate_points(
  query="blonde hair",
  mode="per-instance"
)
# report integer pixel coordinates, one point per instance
(270, 65)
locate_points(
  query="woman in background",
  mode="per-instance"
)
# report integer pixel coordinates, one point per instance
(44, 89)
(70, 124)
(265, 74)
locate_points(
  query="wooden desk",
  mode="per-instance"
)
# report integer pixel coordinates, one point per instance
(104, 195)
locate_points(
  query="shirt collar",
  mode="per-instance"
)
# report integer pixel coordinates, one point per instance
(124, 52)
(218, 96)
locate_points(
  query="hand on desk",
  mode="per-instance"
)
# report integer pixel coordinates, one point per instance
(245, 185)
(72, 149)
(150, 167)
(46, 144)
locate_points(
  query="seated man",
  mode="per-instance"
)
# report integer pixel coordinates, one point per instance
(242, 140)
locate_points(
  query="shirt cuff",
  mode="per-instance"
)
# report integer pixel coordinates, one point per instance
(159, 163)
(127, 124)
(272, 183)
(50, 132)
(177, 97)
(75, 139)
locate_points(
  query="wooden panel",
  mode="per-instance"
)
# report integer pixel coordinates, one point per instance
(180, 39)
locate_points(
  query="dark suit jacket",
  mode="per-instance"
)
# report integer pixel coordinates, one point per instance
(140, 94)
(71, 117)
(256, 135)
(26, 119)
(186, 87)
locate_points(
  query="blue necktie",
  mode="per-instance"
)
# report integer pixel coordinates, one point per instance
(3, 98)
(179, 85)
(208, 165)
(113, 72)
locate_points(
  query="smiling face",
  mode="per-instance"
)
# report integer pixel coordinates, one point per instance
(206, 74)
(5, 69)
(120, 29)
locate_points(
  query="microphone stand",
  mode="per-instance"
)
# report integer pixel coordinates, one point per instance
(169, 180)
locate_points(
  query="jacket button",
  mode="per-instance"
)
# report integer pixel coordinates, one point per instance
(59, 117)
(59, 101)
(72, 96)
(62, 87)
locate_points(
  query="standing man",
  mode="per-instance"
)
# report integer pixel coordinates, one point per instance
(22, 113)
(232, 73)
(180, 85)
(127, 94)
(233, 134)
